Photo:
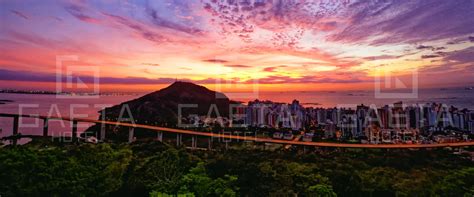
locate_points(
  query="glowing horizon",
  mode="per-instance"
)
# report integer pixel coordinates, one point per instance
(291, 45)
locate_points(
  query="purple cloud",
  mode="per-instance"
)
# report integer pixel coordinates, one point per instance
(429, 56)
(376, 22)
(145, 32)
(273, 68)
(10, 75)
(215, 61)
(424, 47)
(382, 57)
(462, 56)
(237, 66)
(452, 60)
(161, 22)
(408, 21)
(31, 39)
(20, 14)
(307, 79)
(79, 13)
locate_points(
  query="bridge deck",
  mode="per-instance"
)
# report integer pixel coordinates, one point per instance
(246, 138)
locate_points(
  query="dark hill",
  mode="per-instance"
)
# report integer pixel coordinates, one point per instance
(161, 107)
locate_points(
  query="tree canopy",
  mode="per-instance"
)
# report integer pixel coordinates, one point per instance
(156, 169)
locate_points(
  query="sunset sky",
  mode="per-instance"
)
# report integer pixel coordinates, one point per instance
(278, 44)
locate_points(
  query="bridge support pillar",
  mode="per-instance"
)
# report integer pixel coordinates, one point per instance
(179, 137)
(209, 145)
(45, 127)
(160, 136)
(131, 132)
(74, 130)
(194, 142)
(102, 132)
(16, 121)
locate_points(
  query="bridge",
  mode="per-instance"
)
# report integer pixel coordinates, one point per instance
(179, 133)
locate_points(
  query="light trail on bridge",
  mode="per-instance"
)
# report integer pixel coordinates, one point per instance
(246, 138)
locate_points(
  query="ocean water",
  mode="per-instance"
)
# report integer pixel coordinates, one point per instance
(51, 105)
(458, 97)
(89, 107)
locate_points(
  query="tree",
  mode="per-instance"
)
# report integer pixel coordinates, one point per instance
(162, 172)
(84, 170)
(320, 190)
(457, 183)
(199, 183)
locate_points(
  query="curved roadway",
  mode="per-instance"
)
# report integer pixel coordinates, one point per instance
(256, 139)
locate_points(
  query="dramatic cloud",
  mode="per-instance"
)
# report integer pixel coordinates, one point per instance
(237, 66)
(140, 29)
(429, 56)
(462, 56)
(18, 13)
(308, 79)
(382, 57)
(272, 41)
(407, 21)
(31, 39)
(9, 75)
(215, 61)
(424, 47)
(347, 21)
(458, 62)
(273, 68)
(161, 22)
(80, 14)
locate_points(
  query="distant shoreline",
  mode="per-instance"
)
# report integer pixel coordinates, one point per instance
(63, 93)
(5, 101)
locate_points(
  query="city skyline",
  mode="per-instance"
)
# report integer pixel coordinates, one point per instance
(291, 45)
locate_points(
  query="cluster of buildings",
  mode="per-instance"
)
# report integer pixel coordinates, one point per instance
(396, 123)
(275, 115)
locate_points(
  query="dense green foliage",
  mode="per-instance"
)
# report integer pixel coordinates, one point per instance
(78, 170)
(156, 169)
